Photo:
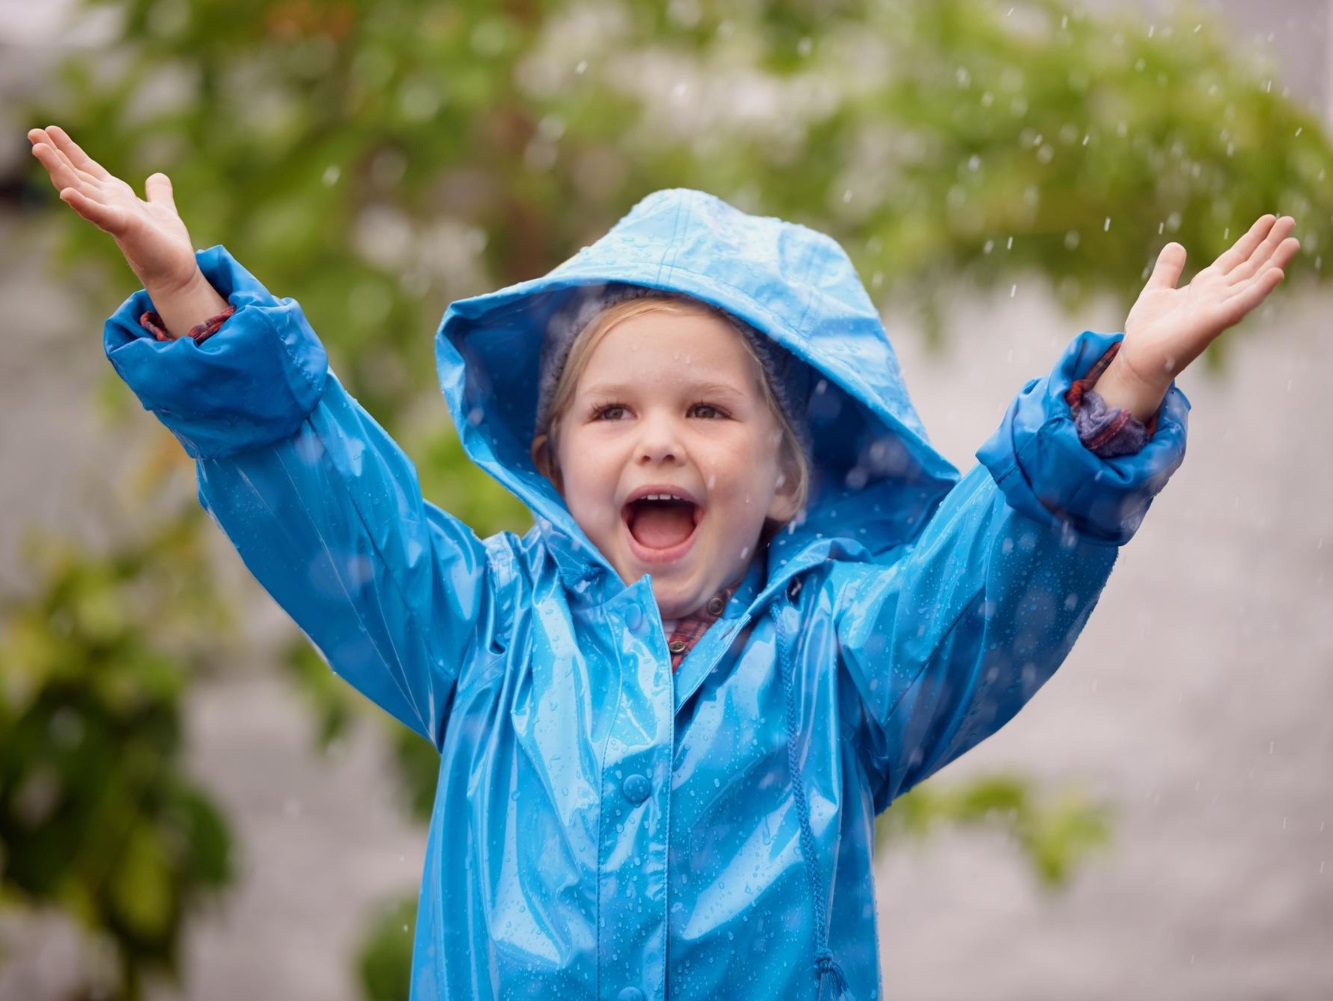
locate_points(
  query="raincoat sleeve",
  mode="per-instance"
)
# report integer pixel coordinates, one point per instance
(321, 504)
(946, 643)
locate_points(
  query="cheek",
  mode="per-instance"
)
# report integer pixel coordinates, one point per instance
(586, 483)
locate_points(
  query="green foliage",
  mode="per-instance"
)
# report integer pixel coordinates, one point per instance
(418, 770)
(1054, 831)
(97, 816)
(331, 701)
(384, 961)
(376, 158)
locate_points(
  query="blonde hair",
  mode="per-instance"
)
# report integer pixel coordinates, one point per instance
(791, 456)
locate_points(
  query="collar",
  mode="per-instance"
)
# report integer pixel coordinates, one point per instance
(728, 602)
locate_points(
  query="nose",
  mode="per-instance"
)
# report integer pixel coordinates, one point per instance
(659, 441)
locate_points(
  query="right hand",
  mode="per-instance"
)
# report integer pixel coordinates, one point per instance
(150, 233)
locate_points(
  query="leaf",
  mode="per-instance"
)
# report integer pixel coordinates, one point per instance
(140, 886)
(384, 959)
(1057, 831)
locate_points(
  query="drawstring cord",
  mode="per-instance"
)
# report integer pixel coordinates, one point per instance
(827, 967)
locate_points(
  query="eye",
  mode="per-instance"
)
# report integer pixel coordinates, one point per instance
(610, 412)
(708, 412)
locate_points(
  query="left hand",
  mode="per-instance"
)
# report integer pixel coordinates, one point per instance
(1169, 327)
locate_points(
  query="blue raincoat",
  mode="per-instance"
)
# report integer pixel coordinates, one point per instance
(604, 828)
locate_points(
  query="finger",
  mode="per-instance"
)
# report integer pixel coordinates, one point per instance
(1282, 255)
(1251, 294)
(57, 167)
(1263, 253)
(1241, 250)
(158, 190)
(74, 152)
(1286, 252)
(100, 214)
(1170, 263)
(50, 153)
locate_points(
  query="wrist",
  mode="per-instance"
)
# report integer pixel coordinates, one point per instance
(1121, 387)
(185, 305)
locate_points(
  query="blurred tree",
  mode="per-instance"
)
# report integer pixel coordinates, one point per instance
(377, 158)
(97, 817)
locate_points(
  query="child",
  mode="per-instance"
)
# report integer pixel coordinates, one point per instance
(756, 605)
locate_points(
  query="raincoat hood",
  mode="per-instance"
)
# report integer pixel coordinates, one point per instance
(874, 476)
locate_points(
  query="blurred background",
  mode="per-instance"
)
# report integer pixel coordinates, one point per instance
(191, 808)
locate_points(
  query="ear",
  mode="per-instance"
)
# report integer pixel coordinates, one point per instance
(785, 504)
(543, 457)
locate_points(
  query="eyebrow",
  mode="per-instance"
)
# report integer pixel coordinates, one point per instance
(611, 389)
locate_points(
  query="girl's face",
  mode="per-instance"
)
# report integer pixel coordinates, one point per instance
(669, 458)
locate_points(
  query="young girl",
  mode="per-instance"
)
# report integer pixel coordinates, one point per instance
(756, 605)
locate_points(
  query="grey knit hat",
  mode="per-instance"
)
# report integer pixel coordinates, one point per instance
(788, 379)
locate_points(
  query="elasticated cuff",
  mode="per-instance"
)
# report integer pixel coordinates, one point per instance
(1047, 473)
(250, 385)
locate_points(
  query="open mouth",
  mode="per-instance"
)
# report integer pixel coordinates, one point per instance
(662, 522)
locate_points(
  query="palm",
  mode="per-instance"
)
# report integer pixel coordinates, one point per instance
(1169, 327)
(149, 232)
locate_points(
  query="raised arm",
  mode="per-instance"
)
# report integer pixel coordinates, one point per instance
(320, 503)
(949, 641)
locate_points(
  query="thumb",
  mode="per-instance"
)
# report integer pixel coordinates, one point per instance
(158, 189)
(1170, 263)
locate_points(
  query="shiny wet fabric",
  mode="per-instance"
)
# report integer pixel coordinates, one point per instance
(604, 828)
